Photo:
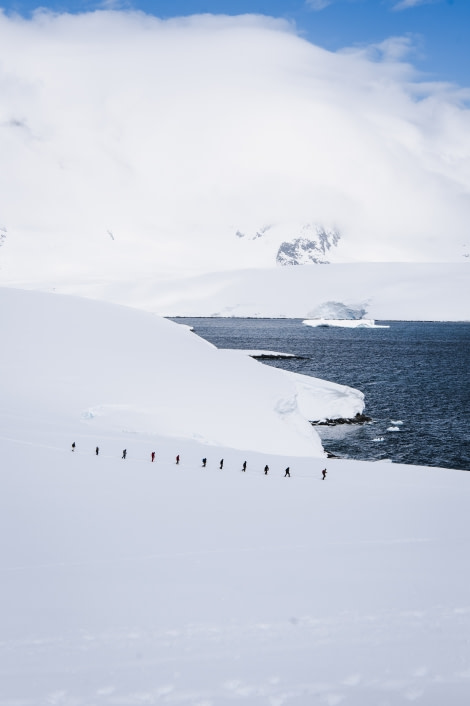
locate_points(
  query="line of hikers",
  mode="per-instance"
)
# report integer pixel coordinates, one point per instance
(204, 462)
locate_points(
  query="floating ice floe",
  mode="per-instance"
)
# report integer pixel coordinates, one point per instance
(344, 323)
(266, 354)
(393, 429)
(379, 438)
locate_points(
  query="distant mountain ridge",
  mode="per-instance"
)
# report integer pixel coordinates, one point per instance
(294, 243)
(310, 248)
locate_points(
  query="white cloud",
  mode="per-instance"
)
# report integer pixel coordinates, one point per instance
(175, 134)
(391, 50)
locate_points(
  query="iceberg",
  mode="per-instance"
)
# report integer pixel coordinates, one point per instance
(333, 313)
(344, 323)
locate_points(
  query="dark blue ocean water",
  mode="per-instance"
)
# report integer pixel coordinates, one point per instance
(414, 373)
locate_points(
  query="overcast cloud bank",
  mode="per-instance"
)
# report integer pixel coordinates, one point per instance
(140, 146)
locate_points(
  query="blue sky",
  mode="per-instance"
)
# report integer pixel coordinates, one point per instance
(439, 30)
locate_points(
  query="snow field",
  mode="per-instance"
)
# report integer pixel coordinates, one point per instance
(112, 367)
(116, 368)
(127, 582)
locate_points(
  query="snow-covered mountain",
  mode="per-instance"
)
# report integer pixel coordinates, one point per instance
(307, 250)
(114, 168)
(293, 243)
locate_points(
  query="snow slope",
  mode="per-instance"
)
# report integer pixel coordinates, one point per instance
(106, 367)
(127, 582)
(130, 583)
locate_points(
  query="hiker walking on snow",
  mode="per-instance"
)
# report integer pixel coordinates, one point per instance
(153, 456)
(97, 450)
(221, 463)
(244, 466)
(266, 469)
(124, 453)
(287, 473)
(177, 459)
(204, 461)
(73, 446)
(323, 474)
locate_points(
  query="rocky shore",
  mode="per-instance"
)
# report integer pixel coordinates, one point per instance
(358, 419)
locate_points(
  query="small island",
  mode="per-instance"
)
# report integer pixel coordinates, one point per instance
(359, 418)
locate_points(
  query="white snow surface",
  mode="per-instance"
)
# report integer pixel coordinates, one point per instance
(127, 582)
(110, 367)
(387, 291)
